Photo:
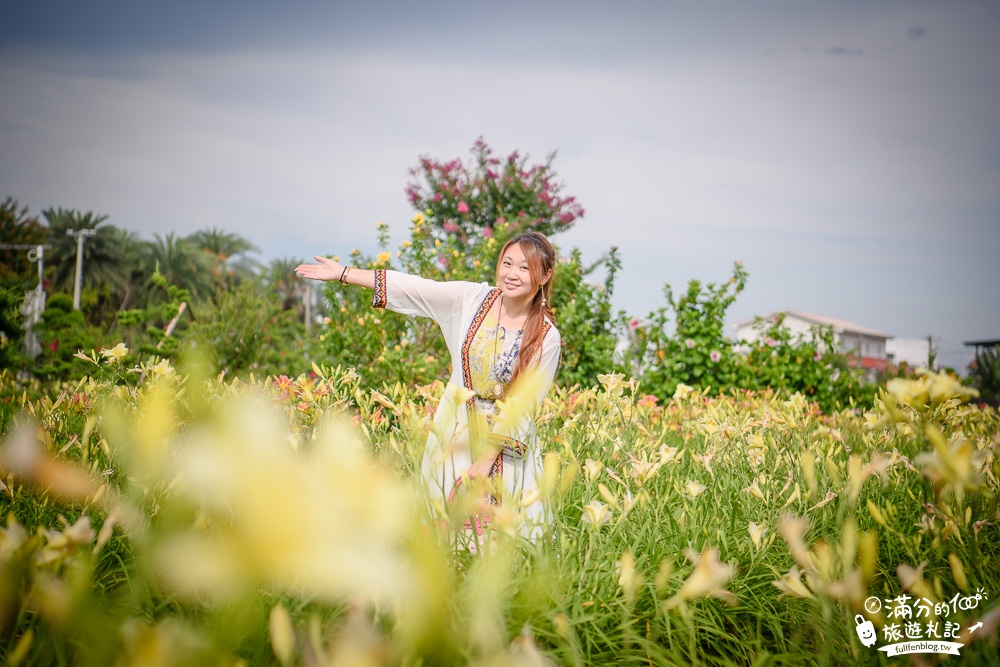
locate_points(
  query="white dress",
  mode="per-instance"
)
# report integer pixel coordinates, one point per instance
(481, 353)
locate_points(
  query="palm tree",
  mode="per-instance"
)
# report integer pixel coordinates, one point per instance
(136, 272)
(284, 283)
(104, 260)
(229, 251)
(182, 263)
(17, 228)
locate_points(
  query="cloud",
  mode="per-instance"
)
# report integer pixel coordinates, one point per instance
(844, 51)
(916, 32)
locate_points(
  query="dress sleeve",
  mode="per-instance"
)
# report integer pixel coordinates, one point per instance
(413, 295)
(515, 437)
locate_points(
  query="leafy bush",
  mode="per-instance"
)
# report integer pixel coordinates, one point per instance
(242, 331)
(985, 375)
(63, 332)
(683, 343)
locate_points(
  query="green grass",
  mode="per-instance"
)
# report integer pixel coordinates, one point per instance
(558, 599)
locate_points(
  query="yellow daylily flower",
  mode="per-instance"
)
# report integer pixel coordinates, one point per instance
(694, 489)
(116, 353)
(614, 383)
(596, 513)
(707, 579)
(791, 584)
(756, 533)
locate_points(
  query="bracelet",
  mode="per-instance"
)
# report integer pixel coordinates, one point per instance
(343, 276)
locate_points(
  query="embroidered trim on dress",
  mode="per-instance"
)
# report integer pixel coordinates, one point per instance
(514, 447)
(511, 446)
(477, 321)
(380, 295)
(496, 480)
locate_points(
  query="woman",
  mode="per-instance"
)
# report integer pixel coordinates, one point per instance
(495, 335)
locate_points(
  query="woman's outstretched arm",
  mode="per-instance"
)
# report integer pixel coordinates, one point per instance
(400, 292)
(328, 269)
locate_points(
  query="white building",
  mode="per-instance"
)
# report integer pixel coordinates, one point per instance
(913, 352)
(854, 340)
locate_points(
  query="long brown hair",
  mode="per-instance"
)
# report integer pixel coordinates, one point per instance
(541, 258)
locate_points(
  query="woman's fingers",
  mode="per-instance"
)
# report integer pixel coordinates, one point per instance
(327, 269)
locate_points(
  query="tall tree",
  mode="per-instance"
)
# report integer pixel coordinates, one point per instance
(286, 285)
(104, 260)
(230, 253)
(472, 201)
(182, 263)
(19, 228)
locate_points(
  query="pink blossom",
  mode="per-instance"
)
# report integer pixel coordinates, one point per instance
(715, 355)
(689, 343)
(566, 218)
(647, 401)
(770, 342)
(462, 207)
(488, 232)
(450, 227)
(437, 196)
(633, 324)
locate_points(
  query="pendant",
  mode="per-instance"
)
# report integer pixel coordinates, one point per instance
(497, 390)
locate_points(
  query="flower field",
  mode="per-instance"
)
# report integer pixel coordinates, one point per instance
(163, 517)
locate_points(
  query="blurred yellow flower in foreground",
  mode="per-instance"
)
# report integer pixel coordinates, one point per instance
(953, 468)
(282, 634)
(791, 584)
(930, 387)
(628, 578)
(793, 530)
(756, 533)
(707, 579)
(323, 523)
(383, 257)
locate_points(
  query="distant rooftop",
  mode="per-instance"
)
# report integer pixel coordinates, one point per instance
(982, 343)
(839, 325)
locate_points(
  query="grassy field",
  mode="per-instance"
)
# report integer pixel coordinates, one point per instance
(188, 520)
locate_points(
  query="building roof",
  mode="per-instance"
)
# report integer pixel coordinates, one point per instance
(839, 325)
(991, 342)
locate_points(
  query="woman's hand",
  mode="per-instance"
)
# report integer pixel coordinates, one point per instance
(327, 269)
(482, 466)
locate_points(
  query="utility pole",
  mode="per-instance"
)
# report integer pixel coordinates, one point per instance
(308, 306)
(34, 300)
(79, 234)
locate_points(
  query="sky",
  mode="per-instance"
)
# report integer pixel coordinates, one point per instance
(848, 152)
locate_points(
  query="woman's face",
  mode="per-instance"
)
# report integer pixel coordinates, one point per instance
(513, 276)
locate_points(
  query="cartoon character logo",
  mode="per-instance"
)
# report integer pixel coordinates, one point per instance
(866, 631)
